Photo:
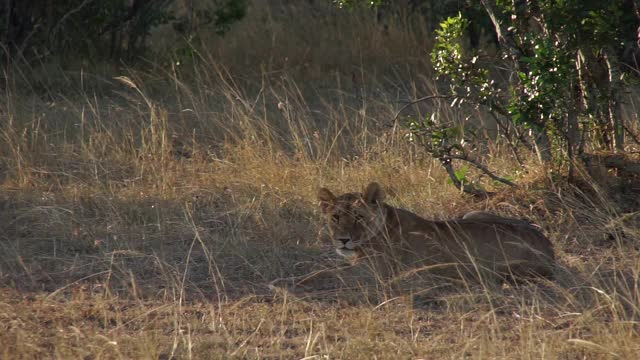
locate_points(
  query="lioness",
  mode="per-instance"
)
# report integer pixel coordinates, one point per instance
(361, 226)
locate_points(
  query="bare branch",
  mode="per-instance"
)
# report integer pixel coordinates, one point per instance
(635, 137)
(446, 163)
(413, 102)
(482, 168)
(506, 130)
(55, 30)
(504, 36)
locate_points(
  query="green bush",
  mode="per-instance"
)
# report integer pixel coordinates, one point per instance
(105, 28)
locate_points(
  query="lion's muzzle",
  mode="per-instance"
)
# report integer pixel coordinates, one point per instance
(345, 246)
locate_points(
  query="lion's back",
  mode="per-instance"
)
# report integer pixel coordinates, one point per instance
(517, 245)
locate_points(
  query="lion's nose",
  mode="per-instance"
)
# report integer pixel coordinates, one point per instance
(344, 240)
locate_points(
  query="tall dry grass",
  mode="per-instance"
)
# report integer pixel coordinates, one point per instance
(168, 211)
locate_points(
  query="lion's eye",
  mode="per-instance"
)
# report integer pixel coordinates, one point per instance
(335, 218)
(359, 217)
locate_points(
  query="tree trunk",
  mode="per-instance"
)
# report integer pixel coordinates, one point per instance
(504, 36)
(619, 162)
(7, 22)
(543, 147)
(574, 147)
(615, 122)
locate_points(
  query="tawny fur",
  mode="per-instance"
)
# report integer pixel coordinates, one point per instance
(483, 215)
(362, 226)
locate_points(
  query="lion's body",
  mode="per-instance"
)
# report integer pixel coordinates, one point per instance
(483, 215)
(497, 245)
(364, 227)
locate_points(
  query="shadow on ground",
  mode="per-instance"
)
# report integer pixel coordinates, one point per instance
(223, 246)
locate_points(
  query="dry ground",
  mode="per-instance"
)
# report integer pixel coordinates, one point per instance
(169, 212)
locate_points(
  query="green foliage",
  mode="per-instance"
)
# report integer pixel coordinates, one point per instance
(594, 22)
(108, 28)
(430, 12)
(562, 57)
(78, 27)
(534, 102)
(227, 13)
(468, 81)
(220, 16)
(461, 175)
(447, 53)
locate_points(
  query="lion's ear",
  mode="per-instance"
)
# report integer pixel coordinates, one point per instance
(326, 198)
(373, 194)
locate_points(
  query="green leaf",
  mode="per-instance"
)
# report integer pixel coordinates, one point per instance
(461, 174)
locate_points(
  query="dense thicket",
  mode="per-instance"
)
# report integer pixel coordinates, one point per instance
(566, 65)
(104, 28)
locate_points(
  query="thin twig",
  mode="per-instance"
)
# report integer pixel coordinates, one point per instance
(633, 136)
(55, 30)
(413, 102)
(519, 135)
(507, 134)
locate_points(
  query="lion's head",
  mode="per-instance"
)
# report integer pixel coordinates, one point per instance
(353, 219)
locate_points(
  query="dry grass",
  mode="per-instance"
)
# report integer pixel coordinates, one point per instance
(171, 213)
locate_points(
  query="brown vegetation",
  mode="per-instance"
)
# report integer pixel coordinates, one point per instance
(171, 213)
